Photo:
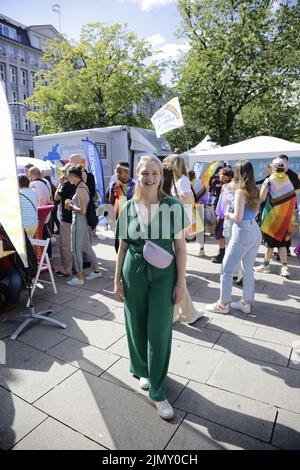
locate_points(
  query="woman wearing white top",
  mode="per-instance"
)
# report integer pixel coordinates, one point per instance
(185, 311)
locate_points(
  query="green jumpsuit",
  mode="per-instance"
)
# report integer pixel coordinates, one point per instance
(149, 292)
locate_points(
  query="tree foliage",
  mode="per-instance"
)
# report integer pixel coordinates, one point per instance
(242, 66)
(94, 82)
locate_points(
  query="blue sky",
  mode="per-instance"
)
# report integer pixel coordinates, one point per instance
(156, 20)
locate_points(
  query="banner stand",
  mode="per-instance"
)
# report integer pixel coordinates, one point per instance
(33, 315)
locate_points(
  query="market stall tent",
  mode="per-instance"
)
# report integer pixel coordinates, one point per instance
(263, 147)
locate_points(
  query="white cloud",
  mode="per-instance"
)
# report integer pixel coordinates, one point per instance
(164, 49)
(147, 5)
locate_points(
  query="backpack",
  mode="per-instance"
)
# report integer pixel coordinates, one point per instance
(91, 216)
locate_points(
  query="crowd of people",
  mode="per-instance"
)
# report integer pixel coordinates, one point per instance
(165, 206)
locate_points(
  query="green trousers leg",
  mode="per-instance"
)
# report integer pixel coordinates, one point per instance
(148, 320)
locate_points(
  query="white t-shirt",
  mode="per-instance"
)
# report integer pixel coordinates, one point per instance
(183, 186)
(43, 191)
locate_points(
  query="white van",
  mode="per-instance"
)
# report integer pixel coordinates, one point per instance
(114, 143)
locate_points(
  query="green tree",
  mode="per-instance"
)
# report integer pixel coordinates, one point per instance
(94, 82)
(243, 59)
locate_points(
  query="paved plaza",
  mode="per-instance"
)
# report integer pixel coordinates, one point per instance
(234, 380)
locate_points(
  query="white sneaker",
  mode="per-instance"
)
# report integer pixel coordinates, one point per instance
(284, 271)
(144, 383)
(217, 308)
(93, 275)
(262, 268)
(75, 282)
(245, 308)
(164, 409)
(195, 317)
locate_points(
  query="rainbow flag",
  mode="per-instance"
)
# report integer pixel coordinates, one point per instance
(210, 171)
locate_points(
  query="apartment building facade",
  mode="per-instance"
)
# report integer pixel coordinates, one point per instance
(20, 58)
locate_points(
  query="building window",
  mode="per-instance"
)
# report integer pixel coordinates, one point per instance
(14, 96)
(15, 122)
(36, 42)
(33, 79)
(8, 31)
(2, 72)
(31, 58)
(2, 49)
(10, 51)
(24, 78)
(13, 75)
(24, 97)
(26, 124)
(21, 54)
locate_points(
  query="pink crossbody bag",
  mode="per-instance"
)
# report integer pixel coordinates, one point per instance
(152, 253)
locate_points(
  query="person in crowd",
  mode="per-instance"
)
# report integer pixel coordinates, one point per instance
(185, 311)
(296, 183)
(279, 196)
(199, 192)
(54, 221)
(121, 190)
(269, 172)
(28, 202)
(27, 168)
(150, 292)
(244, 243)
(44, 194)
(225, 175)
(13, 271)
(80, 240)
(65, 190)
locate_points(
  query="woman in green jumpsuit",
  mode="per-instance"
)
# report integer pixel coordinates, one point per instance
(149, 292)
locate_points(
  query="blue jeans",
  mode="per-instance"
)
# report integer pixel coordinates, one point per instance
(12, 290)
(243, 247)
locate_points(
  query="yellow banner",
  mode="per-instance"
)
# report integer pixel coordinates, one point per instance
(10, 210)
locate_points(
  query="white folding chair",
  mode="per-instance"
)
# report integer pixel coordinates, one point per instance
(33, 315)
(44, 263)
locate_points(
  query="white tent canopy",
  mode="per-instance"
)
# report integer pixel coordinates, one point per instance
(258, 147)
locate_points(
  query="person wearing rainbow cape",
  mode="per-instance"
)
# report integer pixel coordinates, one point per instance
(277, 216)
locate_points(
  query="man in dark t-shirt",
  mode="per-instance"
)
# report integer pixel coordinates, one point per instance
(65, 190)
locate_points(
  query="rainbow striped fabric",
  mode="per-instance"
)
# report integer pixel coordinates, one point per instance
(277, 216)
(210, 171)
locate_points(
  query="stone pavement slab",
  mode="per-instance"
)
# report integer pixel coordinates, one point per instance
(192, 361)
(83, 356)
(111, 415)
(119, 374)
(89, 302)
(274, 319)
(30, 373)
(275, 385)
(253, 348)
(236, 412)
(17, 418)
(115, 314)
(223, 326)
(52, 435)
(42, 336)
(195, 334)
(90, 329)
(287, 430)
(276, 336)
(199, 434)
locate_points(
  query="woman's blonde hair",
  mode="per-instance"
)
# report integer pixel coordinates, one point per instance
(244, 180)
(178, 165)
(138, 191)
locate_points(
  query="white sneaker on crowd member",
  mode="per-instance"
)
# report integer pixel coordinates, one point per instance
(240, 305)
(217, 307)
(195, 317)
(164, 409)
(75, 282)
(284, 271)
(262, 268)
(94, 275)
